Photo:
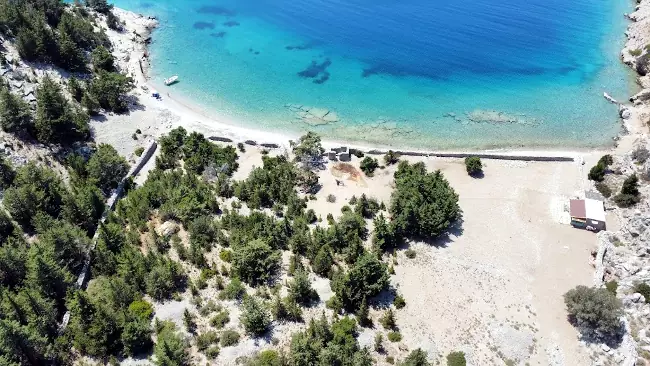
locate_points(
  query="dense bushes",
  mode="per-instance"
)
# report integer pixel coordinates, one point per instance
(56, 121)
(325, 344)
(423, 204)
(473, 165)
(256, 262)
(369, 165)
(15, 115)
(272, 183)
(594, 309)
(106, 168)
(597, 172)
(196, 152)
(365, 279)
(629, 195)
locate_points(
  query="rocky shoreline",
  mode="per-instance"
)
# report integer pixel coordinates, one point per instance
(623, 255)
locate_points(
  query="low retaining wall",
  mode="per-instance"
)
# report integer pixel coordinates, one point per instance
(84, 276)
(480, 155)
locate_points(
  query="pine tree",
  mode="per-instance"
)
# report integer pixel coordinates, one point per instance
(15, 115)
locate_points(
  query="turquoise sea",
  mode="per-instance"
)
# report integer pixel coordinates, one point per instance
(420, 73)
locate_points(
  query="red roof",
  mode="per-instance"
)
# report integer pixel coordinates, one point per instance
(578, 208)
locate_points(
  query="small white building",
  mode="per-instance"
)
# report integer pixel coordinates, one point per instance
(588, 214)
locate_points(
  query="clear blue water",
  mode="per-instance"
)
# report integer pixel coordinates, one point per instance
(422, 73)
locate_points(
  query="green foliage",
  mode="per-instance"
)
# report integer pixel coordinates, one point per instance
(603, 189)
(611, 286)
(234, 290)
(598, 171)
(212, 352)
(362, 314)
(102, 59)
(366, 207)
(35, 190)
(595, 309)
(106, 168)
(15, 115)
(189, 320)
(473, 165)
(204, 340)
(256, 262)
(272, 183)
(399, 302)
(7, 173)
(394, 336)
(196, 151)
(629, 195)
(56, 121)
(225, 255)
(369, 165)
(176, 195)
(388, 320)
(410, 253)
(325, 344)
(644, 290)
(391, 157)
(423, 204)
(164, 278)
(75, 88)
(417, 357)
(171, 348)
(384, 237)
(138, 151)
(365, 279)
(220, 320)
(379, 343)
(141, 309)
(229, 337)
(456, 359)
(308, 150)
(255, 316)
(322, 263)
(266, 358)
(286, 309)
(300, 289)
(109, 89)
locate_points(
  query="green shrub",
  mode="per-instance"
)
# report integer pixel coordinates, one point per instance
(138, 151)
(598, 171)
(225, 255)
(212, 352)
(234, 290)
(220, 320)
(369, 165)
(388, 320)
(240, 147)
(644, 290)
(636, 52)
(204, 340)
(594, 309)
(394, 336)
(255, 316)
(603, 189)
(473, 165)
(141, 309)
(423, 204)
(229, 338)
(417, 357)
(612, 286)
(410, 253)
(399, 302)
(456, 359)
(255, 262)
(391, 157)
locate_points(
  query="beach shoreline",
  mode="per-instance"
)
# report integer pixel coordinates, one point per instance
(192, 116)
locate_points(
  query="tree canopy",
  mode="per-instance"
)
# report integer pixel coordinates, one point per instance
(423, 204)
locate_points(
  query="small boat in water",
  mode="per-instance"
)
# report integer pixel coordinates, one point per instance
(171, 80)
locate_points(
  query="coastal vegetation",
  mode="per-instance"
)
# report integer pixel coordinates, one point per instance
(473, 165)
(594, 310)
(598, 171)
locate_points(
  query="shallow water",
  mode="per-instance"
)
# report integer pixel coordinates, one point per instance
(422, 73)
